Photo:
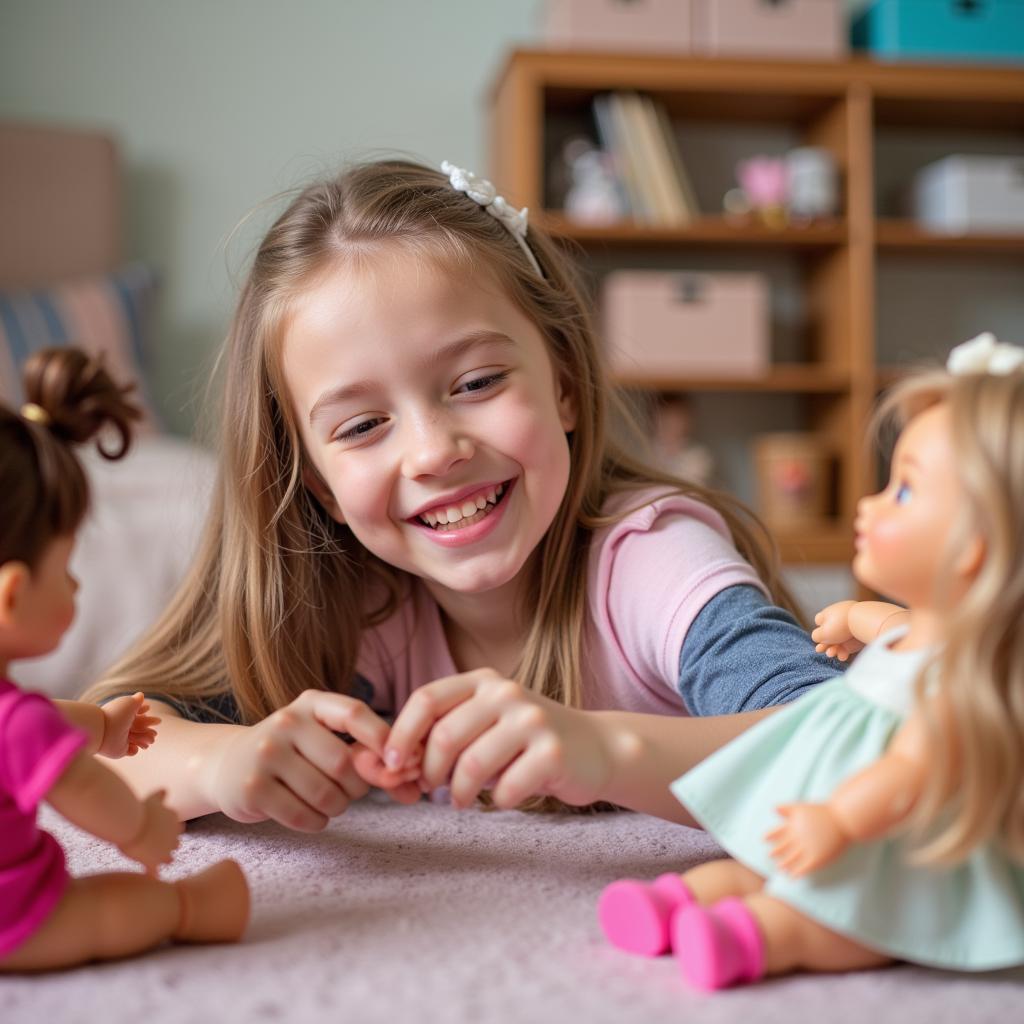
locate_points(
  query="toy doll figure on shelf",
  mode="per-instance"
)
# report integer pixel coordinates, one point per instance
(881, 818)
(672, 440)
(47, 919)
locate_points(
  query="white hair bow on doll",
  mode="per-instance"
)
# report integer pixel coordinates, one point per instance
(984, 354)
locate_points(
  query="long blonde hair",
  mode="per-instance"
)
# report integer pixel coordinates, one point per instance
(974, 791)
(278, 596)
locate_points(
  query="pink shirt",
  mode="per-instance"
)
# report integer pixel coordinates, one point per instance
(649, 576)
(36, 746)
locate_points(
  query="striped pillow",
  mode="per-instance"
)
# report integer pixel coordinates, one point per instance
(108, 315)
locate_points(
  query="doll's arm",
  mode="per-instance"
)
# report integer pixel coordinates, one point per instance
(91, 796)
(864, 807)
(846, 627)
(120, 728)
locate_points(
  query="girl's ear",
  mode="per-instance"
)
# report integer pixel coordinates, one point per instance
(567, 409)
(970, 559)
(315, 485)
(13, 576)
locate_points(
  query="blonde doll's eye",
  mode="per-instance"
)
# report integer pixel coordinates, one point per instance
(903, 494)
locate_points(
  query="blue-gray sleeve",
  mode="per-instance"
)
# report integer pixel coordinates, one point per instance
(742, 653)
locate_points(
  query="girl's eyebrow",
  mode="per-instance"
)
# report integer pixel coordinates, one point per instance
(446, 353)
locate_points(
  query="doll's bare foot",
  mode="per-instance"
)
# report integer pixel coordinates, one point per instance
(214, 904)
(635, 916)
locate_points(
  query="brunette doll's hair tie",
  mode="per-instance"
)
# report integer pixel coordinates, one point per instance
(35, 413)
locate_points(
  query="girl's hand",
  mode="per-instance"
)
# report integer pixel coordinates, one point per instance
(292, 768)
(832, 634)
(808, 838)
(127, 726)
(483, 731)
(400, 785)
(158, 836)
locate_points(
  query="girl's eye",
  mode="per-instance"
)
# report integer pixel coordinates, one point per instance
(902, 494)
(361, 428)
(483, 383)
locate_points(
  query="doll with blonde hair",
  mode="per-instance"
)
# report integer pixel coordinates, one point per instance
(48, 919)
(881, 817)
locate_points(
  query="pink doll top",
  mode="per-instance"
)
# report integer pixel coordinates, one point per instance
(36, 747)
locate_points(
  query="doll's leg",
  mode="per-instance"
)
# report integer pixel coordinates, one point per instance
(795, 942)
(718, 879)
(737, 941)
(105, 917)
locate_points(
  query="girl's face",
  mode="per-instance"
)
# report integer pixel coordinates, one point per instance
(430, 408)
(903, 532)
(44, 604)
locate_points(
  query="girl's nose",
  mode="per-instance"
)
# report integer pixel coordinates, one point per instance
(434, 447)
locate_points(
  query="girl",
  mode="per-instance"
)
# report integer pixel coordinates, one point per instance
(882, 816)
(420, 511)
(48, 920)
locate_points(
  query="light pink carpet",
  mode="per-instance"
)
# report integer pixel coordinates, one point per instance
(423, 913)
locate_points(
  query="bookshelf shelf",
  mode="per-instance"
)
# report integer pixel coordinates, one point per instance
(705, 231)
(852, 108)
(780, 379)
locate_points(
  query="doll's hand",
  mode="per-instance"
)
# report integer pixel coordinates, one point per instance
(402, 785)
(808, 838)
(832, 635)
(291, 767)
(158, 836)
(483, 731)
(128, 727)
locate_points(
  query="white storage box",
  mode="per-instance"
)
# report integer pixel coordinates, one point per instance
(618, 25)
(670, 325)
(963, 194)
(788, 29)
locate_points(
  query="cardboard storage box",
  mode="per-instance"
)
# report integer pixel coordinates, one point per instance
(678, 324)
(654, 25)
(962, 194)
(804, 29)
(978, 30)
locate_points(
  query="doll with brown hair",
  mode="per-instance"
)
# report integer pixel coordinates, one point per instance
(881, 817)
(48, 919)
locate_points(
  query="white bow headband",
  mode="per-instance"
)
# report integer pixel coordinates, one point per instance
(984, 354)
(484, 194)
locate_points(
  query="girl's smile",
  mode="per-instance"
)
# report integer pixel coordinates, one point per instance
(432, 414)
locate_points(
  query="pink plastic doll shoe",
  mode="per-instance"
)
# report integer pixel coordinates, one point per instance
(718, 946)
(635, 916)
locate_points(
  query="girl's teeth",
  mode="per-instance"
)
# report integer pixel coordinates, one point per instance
(468, 509)
(453, 514)
(481, 503)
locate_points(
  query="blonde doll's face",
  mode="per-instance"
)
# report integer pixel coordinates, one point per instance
(903, 532)
(430, 408)
(39, 603)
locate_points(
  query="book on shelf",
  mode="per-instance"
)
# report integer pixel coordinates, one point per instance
(635, 129)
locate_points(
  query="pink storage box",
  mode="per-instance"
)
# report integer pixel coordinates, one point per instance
(618, 25)
(801, 29)
(686, 324)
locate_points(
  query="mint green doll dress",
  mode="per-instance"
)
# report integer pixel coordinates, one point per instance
(969, 917)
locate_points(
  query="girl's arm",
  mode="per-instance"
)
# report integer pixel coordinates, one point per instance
(291, 767)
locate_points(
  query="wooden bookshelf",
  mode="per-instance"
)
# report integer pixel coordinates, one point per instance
(838, 105)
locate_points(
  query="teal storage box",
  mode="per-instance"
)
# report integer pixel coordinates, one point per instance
(946, 30)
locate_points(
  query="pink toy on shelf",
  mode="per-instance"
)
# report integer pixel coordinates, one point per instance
(878, 818)
(48, 919)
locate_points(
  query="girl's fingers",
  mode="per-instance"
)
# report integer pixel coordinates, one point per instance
(323, 795)
(331, 759)
(451, 737)
(485, 760)
(345, 714)
(528, 775)
(280, 804)
(426, 705)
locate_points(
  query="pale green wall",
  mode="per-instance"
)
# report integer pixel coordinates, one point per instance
(219, 104)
